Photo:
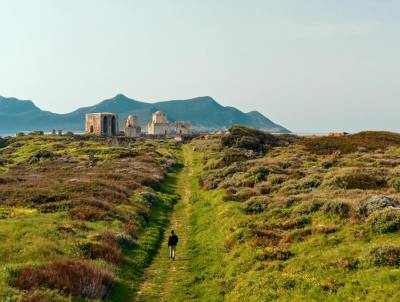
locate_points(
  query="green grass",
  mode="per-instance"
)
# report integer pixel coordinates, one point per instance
(328, 266)
(30, 236)
(293, 234)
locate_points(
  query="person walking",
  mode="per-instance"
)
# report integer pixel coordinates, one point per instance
(172, 243)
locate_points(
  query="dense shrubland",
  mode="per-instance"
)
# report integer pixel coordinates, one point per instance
(71, 209)
(311, 219)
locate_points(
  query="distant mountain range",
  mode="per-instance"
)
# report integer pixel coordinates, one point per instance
(204, 112)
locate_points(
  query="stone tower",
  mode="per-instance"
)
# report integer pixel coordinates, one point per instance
(183, 128)
(159, 124)
(132, 127)
(103, 123)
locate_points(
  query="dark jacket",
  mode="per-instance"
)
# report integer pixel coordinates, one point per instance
(173, 240)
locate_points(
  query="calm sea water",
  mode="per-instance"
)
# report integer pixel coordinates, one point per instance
(8, 133)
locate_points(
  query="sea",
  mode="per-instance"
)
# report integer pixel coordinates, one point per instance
(8, 133)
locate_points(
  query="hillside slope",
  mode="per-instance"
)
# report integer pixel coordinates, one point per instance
(100, 221)
(300, 225)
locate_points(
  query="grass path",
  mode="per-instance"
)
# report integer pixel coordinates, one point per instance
(165, 277)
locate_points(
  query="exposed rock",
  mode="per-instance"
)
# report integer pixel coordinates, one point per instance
(74, 180)
(92, 160)
(2, 161)
(125, 241)
(375, 203)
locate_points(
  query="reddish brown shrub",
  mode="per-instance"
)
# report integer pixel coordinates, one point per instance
(73, 277)
(294, 223)
(132, 229)
(108, 250)
(330, 285)
(265, 237)
(87, 213)
(297, 235)
(322, 229)
(368, 140)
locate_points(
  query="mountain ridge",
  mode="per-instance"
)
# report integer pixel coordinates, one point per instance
(204, 112)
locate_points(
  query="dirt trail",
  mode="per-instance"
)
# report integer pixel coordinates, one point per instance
(165, 276)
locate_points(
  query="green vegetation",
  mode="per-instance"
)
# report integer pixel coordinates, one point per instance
(319, 225)
(248, 138)
(283, 222)
(80, 219)
(363, 142)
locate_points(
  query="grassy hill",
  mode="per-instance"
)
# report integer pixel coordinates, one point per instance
(76, 212)
(303, 225)
(260, 217)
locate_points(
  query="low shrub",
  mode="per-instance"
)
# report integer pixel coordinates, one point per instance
(297, 235)
(368, 140)
(274, 254)
(327, 164)
(233, 155)
(345, 263)
(376, 203)
(339, 208)
(311, 182)
(306, 185)
(255, 205)
(288, 283)
(259, 173)
(296, 223)
(242, 195)
(249, 138)
(108, 251)
(385, 255)
(87, 213)
(265, 189)
(359, 179)
(41, 154)
(55, 206)
(132, 228)
(265, 237)
(34, 297)
(322, 229)
(395, 183)
(309, 206)
(125, 241)
(385, 221)
(277, 179)
(73, 277)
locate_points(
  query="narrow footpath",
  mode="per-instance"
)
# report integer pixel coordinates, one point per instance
(165, 277)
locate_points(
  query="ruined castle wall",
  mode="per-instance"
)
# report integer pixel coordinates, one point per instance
(102, 124)
(183, 128)
(93, 124)
(158, 129)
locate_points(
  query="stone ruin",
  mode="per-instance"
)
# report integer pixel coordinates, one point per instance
(183, 128)
(105, 124)
(159, 124)
(132, 127)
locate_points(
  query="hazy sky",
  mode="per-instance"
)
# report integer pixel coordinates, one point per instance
(310, 65)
